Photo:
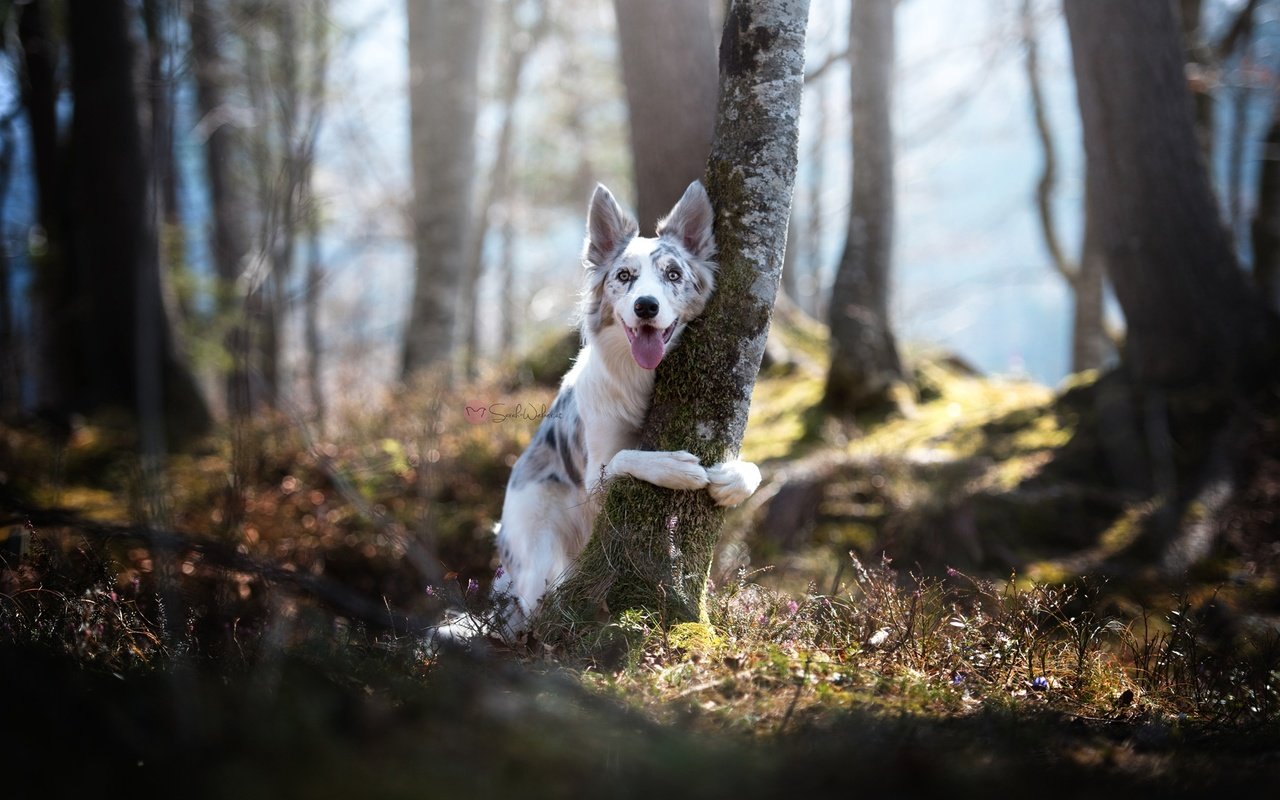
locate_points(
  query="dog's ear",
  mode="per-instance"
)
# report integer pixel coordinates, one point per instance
(609, 228)
(690, 223)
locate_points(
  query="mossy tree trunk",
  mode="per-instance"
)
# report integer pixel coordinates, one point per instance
(652, 547)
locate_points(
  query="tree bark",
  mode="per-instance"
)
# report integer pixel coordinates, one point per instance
(651, 547)
(228, 206)
(127, 346)
(444, 48)
(864, 356)
(10, 375)
(56, 361)
(669, 71)
(1192, 320)
(1266, 220)
(519, 41)
(1089, 343)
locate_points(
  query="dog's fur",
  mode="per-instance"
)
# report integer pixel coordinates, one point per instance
(640, 294)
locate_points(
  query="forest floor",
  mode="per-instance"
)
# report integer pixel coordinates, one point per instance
(959, 596)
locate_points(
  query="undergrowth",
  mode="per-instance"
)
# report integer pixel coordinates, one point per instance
(279, 545)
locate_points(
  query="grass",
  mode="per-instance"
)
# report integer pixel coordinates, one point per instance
(259, 634)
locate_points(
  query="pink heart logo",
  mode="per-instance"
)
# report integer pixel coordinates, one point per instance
(476, 414)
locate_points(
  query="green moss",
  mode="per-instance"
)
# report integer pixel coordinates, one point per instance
(694, 638)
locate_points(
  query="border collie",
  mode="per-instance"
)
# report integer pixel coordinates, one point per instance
(640, 294)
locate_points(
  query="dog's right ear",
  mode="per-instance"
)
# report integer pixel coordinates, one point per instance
(609, 228)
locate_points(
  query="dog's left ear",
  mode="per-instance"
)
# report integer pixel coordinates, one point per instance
(690, 223)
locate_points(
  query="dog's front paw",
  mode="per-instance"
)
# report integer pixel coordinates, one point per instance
(678, 469)
(732, 482)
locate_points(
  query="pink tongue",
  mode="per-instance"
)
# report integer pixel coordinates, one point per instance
(647, 348)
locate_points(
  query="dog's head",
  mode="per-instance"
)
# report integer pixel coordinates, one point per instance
(647, 289)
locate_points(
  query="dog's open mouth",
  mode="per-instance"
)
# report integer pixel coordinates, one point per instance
(648, 344)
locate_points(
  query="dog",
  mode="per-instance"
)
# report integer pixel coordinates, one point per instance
(640, 294)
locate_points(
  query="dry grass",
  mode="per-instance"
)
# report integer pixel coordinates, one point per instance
(283, 530)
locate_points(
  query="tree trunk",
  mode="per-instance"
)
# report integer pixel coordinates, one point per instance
(56, 339)
(1089, 343)
(519, 41)
(127, 346)
(1199, 63)
(864, 356)
(444, 50)
(651, 547)
(669, 71)
(1266, 220)
(506, 257)
(10, 378)
(1192, 320)
(223, 153)
(811, 288)
(1091, 347)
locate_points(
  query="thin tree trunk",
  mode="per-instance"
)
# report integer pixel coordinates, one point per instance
(444, 48)
(157, 17)
(519, 42)
(506, 258)
(864, 356)
(56, 337)
(651, 547)
(10, 378)
(667, 49)
(311, 313)
(223, 151)
(1089, 344)
(1266, 220)
(811, 289)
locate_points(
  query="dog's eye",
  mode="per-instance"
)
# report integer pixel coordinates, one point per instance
(624, 275)
(673, 274)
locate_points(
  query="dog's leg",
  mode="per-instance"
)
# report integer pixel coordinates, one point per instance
(671, 469)
(732, 482)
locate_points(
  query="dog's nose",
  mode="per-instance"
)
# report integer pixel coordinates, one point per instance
(646, 307)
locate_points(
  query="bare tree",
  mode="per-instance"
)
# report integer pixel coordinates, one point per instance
(444, 53)
(1089, 342)
(669, 71)
(652, 548)
(864, 356)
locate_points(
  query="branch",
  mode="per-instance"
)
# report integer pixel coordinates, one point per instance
(830, 61)
(1049, 175)
(1238, 32)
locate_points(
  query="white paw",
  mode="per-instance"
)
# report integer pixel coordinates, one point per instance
(677, 469)
(732, 482)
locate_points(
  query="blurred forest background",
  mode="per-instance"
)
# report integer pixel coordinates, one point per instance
(258, 258)
(275, 185)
